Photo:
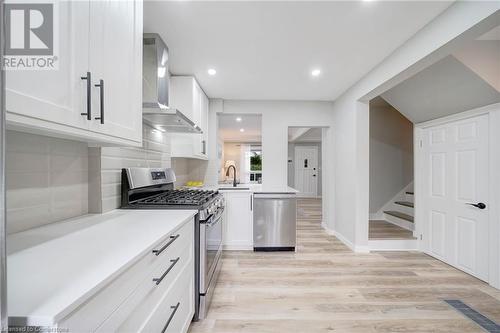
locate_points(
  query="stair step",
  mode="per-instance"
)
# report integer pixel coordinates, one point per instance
(405, 203)
(400, 215)
(410, 192)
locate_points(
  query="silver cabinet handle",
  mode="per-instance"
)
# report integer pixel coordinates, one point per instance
(100, 85)
(89, 96)
(174, 308)
(172, 239)
(158, 280)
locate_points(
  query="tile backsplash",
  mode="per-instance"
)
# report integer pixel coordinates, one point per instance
(105, 165)
(46, 178)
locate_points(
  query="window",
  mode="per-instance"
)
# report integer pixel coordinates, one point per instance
(255, 164)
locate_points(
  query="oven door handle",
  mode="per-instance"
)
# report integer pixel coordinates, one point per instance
(213, 220)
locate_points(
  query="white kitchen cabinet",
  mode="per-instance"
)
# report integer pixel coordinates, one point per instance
(238, 231)
(187, 96)
(136, 301)
(103, 38)
(116, 59)
(45, 98)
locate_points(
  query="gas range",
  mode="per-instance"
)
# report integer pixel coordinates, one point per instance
(153, 188)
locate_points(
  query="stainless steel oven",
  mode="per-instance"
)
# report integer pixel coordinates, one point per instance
(210, 253)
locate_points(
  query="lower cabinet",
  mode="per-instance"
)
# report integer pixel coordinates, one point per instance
(238, 233)
(154, 295)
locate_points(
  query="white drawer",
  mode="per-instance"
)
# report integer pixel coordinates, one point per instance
(89, 316)
(135, 311)
(176, 310)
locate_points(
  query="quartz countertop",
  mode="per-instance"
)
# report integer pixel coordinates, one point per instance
(255, 188)
(56, 268)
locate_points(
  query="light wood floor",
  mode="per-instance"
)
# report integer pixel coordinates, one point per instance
(324, 287)
(379, 229)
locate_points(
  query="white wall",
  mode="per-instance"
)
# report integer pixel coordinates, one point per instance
(351, 112)
(391, 154)
(277, 116)
(46, 180)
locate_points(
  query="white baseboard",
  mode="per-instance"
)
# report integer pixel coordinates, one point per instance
(343, 239)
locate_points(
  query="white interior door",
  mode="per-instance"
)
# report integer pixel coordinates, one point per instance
(455, 162)
(306, 170)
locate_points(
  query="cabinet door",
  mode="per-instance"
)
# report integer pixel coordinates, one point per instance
(50, 98)
(183, 95)
(197, 138)
(238, 233)
(204, 123)
(116, 59)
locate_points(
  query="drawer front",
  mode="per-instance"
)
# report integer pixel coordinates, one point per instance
(134, 312)
(176, 310)
(89, 316)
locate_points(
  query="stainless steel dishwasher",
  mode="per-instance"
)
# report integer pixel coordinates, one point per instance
(274, 221)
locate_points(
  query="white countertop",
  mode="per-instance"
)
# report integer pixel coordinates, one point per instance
(54, 269)
(255, 188)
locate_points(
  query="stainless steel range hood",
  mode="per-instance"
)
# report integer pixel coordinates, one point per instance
(155, 90)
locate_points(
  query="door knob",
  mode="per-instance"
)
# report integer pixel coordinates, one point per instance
(479, 205)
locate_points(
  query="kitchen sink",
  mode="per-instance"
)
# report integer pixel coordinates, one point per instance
(234, 188)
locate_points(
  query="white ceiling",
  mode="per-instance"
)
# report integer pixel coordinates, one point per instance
(444, 88)
(229, 128)
(267, 49)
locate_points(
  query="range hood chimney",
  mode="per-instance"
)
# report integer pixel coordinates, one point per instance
(156, 111)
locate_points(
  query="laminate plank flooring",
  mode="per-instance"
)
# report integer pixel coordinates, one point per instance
(325, 287)
(379, 229)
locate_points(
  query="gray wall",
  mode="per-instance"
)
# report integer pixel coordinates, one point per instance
(391, 154)
(291, 165)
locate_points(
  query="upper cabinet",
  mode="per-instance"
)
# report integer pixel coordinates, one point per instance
(96, 93)
(187, 96)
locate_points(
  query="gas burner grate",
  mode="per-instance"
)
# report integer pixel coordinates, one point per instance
(179, 197)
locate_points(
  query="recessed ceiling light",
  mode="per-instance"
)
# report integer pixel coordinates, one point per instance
(212, 71)
(238, 119)
(316, 72)
(242, 130)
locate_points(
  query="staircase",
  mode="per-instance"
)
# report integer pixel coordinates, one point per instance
(400, 211)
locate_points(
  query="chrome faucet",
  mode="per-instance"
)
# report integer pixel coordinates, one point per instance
(234, 174)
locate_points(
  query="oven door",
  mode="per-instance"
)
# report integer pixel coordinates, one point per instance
(210, 248)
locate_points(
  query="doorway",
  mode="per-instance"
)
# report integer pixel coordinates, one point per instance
(306, 170)
(304, 161)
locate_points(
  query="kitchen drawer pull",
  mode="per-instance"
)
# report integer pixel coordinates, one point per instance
(89, 96)
(172, 239)
(158, 280)
(174, 308)
(100, 85)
